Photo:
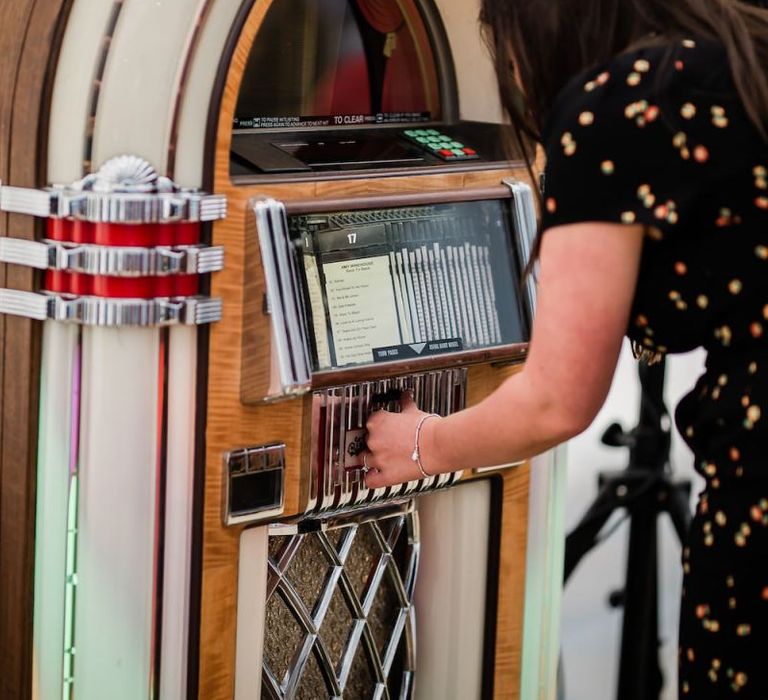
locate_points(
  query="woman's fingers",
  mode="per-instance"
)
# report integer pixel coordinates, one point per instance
(407, 403)
(374, 479)
(390, 440)
(396, 472)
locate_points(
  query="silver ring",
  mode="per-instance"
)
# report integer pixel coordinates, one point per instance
(365, 468)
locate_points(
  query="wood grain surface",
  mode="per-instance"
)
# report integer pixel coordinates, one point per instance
(481, 382)
(30, 37)
(231, 423)
(511, 592)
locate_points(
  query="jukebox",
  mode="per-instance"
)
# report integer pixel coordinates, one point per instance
(249, 224)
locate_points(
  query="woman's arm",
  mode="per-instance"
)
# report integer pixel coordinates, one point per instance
(586, 287)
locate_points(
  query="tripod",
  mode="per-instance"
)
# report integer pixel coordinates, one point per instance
(645, 490)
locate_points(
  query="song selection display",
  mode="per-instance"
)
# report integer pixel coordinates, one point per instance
(388, 283)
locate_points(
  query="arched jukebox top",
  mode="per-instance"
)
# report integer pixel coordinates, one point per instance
(344, 63)
(352, 85)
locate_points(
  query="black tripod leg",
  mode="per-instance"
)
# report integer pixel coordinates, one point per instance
(639, 672)
(583, 537)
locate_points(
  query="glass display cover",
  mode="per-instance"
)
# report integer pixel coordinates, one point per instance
(337, 63)
(401, 283)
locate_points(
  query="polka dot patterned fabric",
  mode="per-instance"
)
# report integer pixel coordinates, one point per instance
(658, 137)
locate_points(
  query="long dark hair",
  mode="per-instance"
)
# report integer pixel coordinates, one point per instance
(551, 41)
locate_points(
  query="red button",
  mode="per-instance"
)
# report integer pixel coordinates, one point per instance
(446, 152)
(470, 151)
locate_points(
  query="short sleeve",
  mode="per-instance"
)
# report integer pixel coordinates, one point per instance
(635, 142)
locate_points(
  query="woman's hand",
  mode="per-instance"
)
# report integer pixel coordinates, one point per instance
(391, 438)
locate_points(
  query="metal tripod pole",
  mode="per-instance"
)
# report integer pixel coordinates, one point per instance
(645, 490)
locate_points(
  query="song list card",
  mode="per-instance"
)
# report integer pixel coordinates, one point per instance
(362, 307)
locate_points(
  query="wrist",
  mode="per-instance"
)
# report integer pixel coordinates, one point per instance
(431, 447)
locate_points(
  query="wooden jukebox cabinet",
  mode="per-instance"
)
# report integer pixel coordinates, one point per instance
(209, 361)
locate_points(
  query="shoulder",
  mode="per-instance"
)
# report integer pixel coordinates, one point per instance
(642, 87)
(640, 138)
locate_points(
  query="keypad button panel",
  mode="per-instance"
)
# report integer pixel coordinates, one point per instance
(441, 145)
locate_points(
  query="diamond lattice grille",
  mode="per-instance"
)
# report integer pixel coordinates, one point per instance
(340, 619)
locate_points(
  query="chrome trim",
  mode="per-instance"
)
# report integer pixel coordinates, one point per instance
(114, 207)
(125, 190)
(211, 207)
(203, 310)
(22, 200)
(96, 311)
(284, 301)
(499, 467)
(204, 260)
(526, 229)
(112, 261)
(128, 208)
(26, 304)
(18, 251)
(253, 460)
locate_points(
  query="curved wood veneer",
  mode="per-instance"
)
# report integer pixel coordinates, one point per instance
(231, 424)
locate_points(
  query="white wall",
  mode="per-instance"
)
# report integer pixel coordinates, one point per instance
(478, 94)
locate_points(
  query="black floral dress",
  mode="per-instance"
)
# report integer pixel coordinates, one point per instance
(659, 137)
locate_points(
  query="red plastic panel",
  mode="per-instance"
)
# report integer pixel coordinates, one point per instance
(122, 235)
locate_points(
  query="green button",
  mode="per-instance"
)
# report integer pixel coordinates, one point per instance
(411, 133)
(422, 139)
(432, 132)
(456, 144)
(459, 152)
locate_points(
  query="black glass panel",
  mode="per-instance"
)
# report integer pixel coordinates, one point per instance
(394, 284)
(339, 63)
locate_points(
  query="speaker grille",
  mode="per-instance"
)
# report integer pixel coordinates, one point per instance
(340, 620)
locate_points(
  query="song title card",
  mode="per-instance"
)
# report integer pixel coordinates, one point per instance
(362, 307)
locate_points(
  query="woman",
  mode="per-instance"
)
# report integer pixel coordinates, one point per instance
(653, 117)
